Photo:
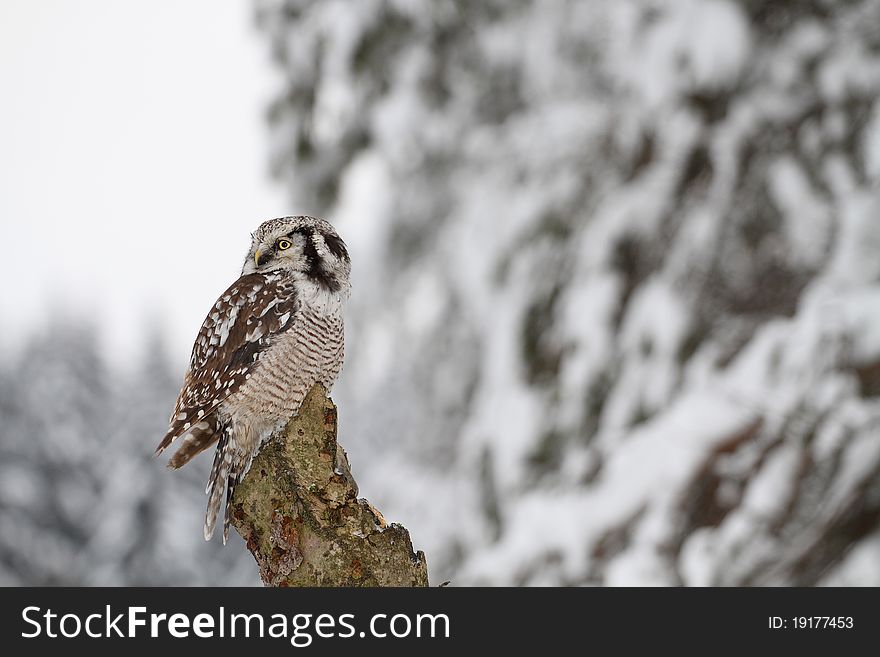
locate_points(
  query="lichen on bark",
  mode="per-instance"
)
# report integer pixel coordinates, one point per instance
(299, 513)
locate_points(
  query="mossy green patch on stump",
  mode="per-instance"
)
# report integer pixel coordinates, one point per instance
(298, 511)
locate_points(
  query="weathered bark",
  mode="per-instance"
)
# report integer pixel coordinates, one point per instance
(297, 510)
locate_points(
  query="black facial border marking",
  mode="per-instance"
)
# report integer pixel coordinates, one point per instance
(336, 246)
(315, 271)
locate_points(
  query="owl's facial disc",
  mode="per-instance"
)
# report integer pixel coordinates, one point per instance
(305, 246)
(279, 252)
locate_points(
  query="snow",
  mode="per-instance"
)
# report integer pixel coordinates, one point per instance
(652, 332)
(871, 147)
(807, 217)
(654, 462)
(693, 45)
(769, 491)
(860, 567)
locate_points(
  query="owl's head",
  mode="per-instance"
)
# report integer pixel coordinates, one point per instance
(307, 247)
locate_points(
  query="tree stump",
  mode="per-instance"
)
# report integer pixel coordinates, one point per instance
(298, 512)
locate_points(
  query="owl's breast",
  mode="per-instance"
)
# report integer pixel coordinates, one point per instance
(310, 351)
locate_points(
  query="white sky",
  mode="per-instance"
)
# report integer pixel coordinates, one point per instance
(133, 162)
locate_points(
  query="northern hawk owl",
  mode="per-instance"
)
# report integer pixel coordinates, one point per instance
(273, 334)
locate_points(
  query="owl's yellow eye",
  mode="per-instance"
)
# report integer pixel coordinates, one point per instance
(283, 245)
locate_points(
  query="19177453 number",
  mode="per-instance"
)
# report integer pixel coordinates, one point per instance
(810, 622)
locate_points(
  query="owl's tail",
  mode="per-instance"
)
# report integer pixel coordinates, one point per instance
(194, 441)
(217, 482)
(231, 483)
(231, 464)
(227, 471)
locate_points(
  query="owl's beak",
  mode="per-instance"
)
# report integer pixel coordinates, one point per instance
(257, 258)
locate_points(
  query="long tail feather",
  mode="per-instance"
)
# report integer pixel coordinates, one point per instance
(231, 483)
(217, 482)
(199, 438)
(195, 438)
(238, 468)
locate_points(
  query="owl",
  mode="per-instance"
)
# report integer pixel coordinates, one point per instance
(273, 334)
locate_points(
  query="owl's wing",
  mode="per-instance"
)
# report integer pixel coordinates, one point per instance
(239, 327)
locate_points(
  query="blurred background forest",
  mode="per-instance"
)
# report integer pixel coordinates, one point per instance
(616, 306)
